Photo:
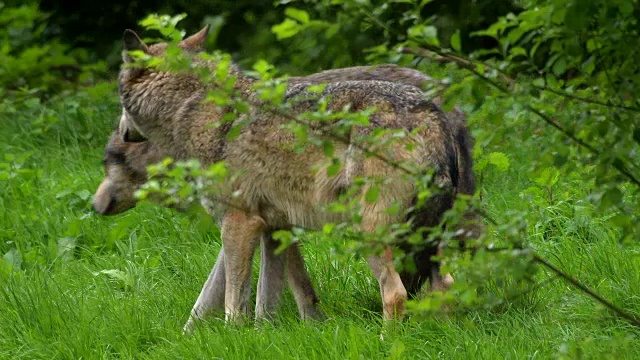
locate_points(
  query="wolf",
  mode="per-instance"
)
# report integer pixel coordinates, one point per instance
(125, 167)
(275, 186)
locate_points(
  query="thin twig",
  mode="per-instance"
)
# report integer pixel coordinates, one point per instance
(586, 100)
(620, 312)
(441, 56)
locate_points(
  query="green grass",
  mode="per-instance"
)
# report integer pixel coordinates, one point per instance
(56, 304)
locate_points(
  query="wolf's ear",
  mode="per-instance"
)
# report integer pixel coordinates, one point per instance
(196, 41)
(128, 132)
(132, 136)
(131, 41)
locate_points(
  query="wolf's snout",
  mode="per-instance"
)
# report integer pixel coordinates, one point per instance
(104, 207)
(103, 201)
(96, 209)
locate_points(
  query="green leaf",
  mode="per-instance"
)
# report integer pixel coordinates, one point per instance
(286, 29)
(372, 194)
(234, 132)
(83, 194)
(426, 34)
(120, 230)
(515, 51)
(589, 65)
(611, 197)
(13, 258)
(455, 41)
(66, 247)
(560, 66)
(577, 16)
(548, 177)
(285, 237)
(494, 31)
(328, 228)
(122, 278)
(621, 220)
(297, 14)
(499, 160)
(626, 7)
(327, 148)
(331, 31)
(262, 67)
(397, 350)
(534, 191)
(333, 169)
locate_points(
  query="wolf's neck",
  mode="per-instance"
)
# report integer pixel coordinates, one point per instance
(197, 125)
(208, 129)
(170, 110)
(243, 83)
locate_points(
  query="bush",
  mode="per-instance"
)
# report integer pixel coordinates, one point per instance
(32, 59)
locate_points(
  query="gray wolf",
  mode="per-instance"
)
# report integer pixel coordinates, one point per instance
(125, 168)
(274, 187)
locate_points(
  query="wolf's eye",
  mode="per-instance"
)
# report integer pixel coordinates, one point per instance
(114, 158)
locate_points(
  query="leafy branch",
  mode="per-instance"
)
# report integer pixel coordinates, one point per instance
(618, 164)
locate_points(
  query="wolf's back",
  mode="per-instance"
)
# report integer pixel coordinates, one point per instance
(382, 72)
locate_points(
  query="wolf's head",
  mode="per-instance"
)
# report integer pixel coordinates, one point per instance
(138, 86)
(125, 172)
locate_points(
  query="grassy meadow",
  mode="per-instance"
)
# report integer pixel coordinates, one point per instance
(75, 285)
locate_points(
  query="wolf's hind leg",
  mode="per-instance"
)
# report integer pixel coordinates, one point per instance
(392, 291)
(271, 279)
(374, 217)
(271, 282)
(301, 286)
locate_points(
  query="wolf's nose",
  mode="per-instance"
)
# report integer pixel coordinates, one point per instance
(103, 208)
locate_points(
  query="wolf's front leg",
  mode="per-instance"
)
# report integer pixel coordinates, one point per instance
(240, 235)
(211, 298)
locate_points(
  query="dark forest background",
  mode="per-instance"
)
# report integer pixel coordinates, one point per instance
(56, 44)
